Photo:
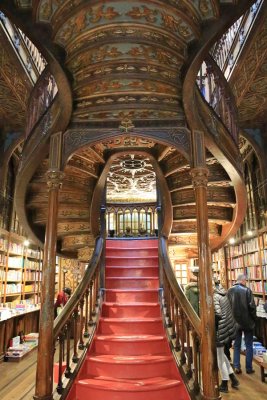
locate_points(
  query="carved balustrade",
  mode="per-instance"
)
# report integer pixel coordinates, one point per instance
(75, 326)
(216, 91)
(227, 49)
(41, 98)
(183, 323)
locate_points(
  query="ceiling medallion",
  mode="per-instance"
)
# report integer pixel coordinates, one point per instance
(132, 164)
(126, 125)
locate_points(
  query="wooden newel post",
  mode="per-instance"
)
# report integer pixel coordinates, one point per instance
(199, 174)
(44, 372)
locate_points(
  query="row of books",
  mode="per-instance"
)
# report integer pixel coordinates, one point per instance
(257, 286)
(3, 244)
(251, 259)
(235, 263)
(2, 259)
(250, 245)
(253, 272)
(16, 248)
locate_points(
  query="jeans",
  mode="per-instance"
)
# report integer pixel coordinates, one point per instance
(249, 349)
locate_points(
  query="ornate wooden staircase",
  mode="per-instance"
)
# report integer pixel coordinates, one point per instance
(130, 356)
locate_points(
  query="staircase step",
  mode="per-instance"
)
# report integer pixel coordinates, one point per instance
(129, 296)
(151, 282)
(130, 367)
(133, 261)
(155, 388)
(130, 310)
(131, 243)
(130, 344)
(130, 325)
(132, 271)
(127, 252)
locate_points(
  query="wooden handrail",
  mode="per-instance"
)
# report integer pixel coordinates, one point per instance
(176, 288)
(184, 323)
(80, 291)
(42, 95)
(220, 97)
(76, 317)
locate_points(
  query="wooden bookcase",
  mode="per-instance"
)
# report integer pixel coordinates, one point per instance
(249, 256)
(20, 270)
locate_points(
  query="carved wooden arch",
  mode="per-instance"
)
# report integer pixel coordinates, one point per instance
(100, 187)
(76, 139)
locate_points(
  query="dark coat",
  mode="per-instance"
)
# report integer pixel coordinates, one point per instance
(243, 306)
(225, 323)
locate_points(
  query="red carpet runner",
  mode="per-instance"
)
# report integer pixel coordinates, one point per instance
(130, 358)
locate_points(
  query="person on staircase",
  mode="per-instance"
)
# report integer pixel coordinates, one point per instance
(244, 312)
(225, 331)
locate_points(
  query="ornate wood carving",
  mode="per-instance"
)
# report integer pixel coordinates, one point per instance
(221, 214)
(249, 79)
(15, 87)
(75, 139)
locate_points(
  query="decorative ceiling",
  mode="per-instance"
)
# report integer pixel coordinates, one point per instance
(125, 56)
(131, 179)
(249, 80)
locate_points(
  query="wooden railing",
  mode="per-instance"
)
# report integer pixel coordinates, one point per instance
(41, 98)
(216, 91)
(183, 322)
(75, 326)
(227, 50)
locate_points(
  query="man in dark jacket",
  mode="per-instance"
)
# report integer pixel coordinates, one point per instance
(244, 312)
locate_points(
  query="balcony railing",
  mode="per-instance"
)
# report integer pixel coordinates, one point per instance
(227, 50)
(42, 96)
(31, 59)
(216, 91)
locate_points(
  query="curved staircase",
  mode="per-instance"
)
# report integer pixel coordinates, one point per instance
(130, 356)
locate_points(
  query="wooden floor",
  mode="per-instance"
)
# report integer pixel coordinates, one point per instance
(17, 381)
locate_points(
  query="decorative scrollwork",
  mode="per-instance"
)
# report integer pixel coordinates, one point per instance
(199, 177)
(54, 179)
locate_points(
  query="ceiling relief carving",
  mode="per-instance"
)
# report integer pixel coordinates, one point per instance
(183, 228)
(250, 80)
(131, 179)
(14, 88)
(222, 215)
(126, 57)
(75, 139)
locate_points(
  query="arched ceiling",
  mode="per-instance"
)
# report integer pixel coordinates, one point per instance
(126, 56)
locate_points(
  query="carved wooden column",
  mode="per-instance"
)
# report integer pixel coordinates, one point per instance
(44, 372)
(199, 174)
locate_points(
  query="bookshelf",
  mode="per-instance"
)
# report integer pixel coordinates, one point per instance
(219, 266)
(20, 270)
(249, 256)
